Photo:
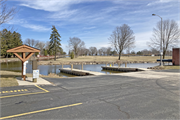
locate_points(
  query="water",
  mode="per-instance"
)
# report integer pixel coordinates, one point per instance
(47, 69)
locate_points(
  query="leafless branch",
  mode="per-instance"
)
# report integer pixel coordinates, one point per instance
(6, 14)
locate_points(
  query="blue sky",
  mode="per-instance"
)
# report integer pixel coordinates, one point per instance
(91, 20)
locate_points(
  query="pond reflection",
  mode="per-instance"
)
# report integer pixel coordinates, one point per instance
(47, 69)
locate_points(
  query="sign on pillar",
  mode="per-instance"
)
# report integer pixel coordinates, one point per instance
(36, 74)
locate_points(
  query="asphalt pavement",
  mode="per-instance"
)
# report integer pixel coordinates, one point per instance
(135, 95)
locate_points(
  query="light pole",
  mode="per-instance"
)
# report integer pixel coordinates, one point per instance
(160, 40)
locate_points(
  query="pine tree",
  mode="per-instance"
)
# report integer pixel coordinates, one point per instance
(6, 42)
(55, 41)
(17, 39)
(9, 40)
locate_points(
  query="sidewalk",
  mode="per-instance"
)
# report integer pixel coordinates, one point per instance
(29, 81)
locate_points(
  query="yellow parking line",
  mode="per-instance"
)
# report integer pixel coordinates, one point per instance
(13, 91)
(38, 111)
(21, 94)
(42, 88)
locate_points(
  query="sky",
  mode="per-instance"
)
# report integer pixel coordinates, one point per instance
(90, 20)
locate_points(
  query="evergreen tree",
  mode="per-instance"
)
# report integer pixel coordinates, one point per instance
(9, 40)
(45, 52)
(72, 55)
(55, 41)
(17, 39)
(6, 42)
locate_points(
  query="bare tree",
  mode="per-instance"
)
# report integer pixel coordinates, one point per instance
(146, 52)
(86, 51)
(47, 45)
(100, 51)
(154, 51)
(41, 45)
(122, 38)
(104, 50)
(6, 13)
(170, 35)
(82, 51)
(108, 50)
(76, 44)
(93, 50)
(31, 42)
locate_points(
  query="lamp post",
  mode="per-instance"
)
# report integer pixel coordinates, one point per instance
(160, 41)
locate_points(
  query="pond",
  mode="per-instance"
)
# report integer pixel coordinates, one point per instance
(47, 69)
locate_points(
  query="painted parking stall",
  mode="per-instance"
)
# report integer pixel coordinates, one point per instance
(20, 91)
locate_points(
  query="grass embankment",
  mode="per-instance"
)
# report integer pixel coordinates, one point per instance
(105, 59)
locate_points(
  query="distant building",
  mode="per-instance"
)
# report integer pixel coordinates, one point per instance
(175, 57)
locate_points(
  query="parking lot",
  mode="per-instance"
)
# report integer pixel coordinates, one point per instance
(140, 95)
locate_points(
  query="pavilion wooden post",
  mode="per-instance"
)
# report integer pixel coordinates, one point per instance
(23, 49)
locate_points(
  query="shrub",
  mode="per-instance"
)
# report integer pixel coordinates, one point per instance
(72, 55)
(45, 53)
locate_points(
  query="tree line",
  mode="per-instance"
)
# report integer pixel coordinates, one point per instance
(122, 38)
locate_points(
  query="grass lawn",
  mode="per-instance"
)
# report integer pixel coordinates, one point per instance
(8, 82)
(106, 58)
(171, 67)
(8, 78)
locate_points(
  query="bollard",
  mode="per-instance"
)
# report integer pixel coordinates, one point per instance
(34, 67)
(71, 67)
(118, 65)
(125, 64)
(113, 64)
(106, 64)
(62, 65)
(81, 66)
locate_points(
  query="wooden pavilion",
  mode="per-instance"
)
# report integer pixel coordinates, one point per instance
(23, 49)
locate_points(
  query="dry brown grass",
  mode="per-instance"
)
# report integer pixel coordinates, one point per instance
(8, 82)
(171, 67)
(106, 58)
(8, 78)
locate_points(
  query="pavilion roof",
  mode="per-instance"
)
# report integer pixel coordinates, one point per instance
(23, 48)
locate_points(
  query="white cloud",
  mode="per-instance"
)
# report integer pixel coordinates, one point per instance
(159, 1)
(89, 28)
(141, 40)
(63, 14)
(51, 5)
(25, 24)
(36, 27)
